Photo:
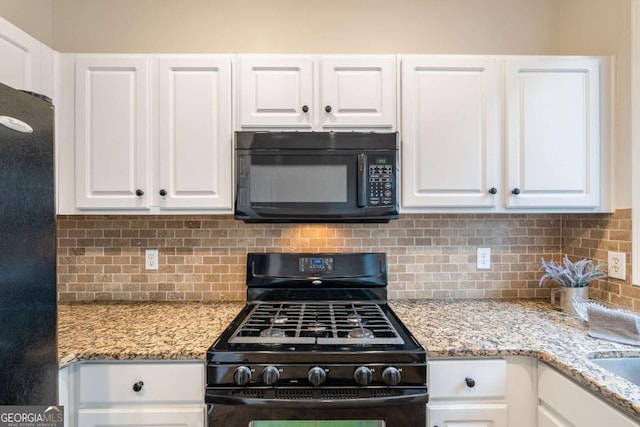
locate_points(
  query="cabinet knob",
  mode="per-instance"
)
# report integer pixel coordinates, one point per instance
(493, 190)
(138, 386)
(327, 108)
(515, 191)
(470, 382)
(305, 108)
(163, 192)
(139, 193)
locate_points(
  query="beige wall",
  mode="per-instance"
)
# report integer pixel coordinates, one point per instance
(311, 26)
(34, 17)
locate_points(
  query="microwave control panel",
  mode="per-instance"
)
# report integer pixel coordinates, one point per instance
(381, 181)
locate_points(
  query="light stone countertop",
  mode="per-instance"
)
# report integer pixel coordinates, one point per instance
(461, 328)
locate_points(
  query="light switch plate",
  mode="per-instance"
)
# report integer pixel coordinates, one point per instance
(617, 263)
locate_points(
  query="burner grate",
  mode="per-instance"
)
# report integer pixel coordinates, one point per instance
(316, 323)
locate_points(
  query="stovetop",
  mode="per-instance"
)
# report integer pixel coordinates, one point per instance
(337, 323)
(316, 303)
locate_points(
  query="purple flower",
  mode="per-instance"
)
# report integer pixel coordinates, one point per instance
(571, 275)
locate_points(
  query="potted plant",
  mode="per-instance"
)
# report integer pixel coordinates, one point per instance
(573, 278)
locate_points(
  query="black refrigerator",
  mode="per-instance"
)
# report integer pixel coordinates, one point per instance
(28, 303)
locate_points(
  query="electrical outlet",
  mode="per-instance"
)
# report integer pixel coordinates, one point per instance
(617, 263)
(151, 259)
(484, 259)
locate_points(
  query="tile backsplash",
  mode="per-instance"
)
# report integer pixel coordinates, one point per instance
(592, 236)
(429, 255)
(203, 257)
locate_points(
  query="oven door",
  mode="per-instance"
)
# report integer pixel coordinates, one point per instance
(374, 412)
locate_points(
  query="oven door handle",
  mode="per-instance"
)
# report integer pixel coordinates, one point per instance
(414, 399)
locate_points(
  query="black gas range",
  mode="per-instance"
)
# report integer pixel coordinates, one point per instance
(316, 341)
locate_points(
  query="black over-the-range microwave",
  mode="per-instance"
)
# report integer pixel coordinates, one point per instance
(316, 176)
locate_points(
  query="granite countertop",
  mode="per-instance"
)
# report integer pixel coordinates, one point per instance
(464, 328)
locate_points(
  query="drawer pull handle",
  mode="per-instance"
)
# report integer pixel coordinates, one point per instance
(138, 386)
(470, 382)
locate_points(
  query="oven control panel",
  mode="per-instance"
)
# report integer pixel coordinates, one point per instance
(314, 265)
(314, 375)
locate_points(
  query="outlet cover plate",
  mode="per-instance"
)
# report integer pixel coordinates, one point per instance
(484, 259)
(151, 259)
(617, 263)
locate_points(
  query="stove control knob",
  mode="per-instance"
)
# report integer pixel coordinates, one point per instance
(270, 375)
(391, 376)
(242, 375)
(362, 375)
(316, 375)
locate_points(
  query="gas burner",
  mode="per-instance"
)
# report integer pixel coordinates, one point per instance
(356, 319)
(273, 333)
(279, 320)
(360, 333)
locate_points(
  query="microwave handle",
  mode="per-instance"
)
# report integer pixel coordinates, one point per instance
(362, 181)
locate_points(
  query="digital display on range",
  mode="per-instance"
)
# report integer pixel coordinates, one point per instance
(381, 161)
(315, 265)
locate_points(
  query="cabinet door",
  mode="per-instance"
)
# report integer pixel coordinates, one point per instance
(547, 419)
(451, 132)
(20, 67)
(112, 132)
(574, 403)
(190, 416)
(195, 132)
(358, 91)
(276, 92)
(468, 416)
(553, 132)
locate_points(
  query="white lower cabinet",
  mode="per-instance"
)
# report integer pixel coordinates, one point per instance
(135, 394)
(467, 393)
(563, 403)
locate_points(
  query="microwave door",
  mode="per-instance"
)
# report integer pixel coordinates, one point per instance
(298, 186)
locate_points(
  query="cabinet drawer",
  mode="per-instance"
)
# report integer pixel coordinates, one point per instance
(448, 378)
(468, 416)
(105, 383)
(176, 416)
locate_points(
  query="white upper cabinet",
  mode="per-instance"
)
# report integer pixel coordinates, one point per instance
(497, 134)
(26, 63)
(152, 133)
(357, 91)
(194, 101)
(553, 132)
(112, 149)
(276, 91)
(317, 93)
(450, 132)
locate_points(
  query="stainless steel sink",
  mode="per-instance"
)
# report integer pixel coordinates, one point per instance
(625, 367)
